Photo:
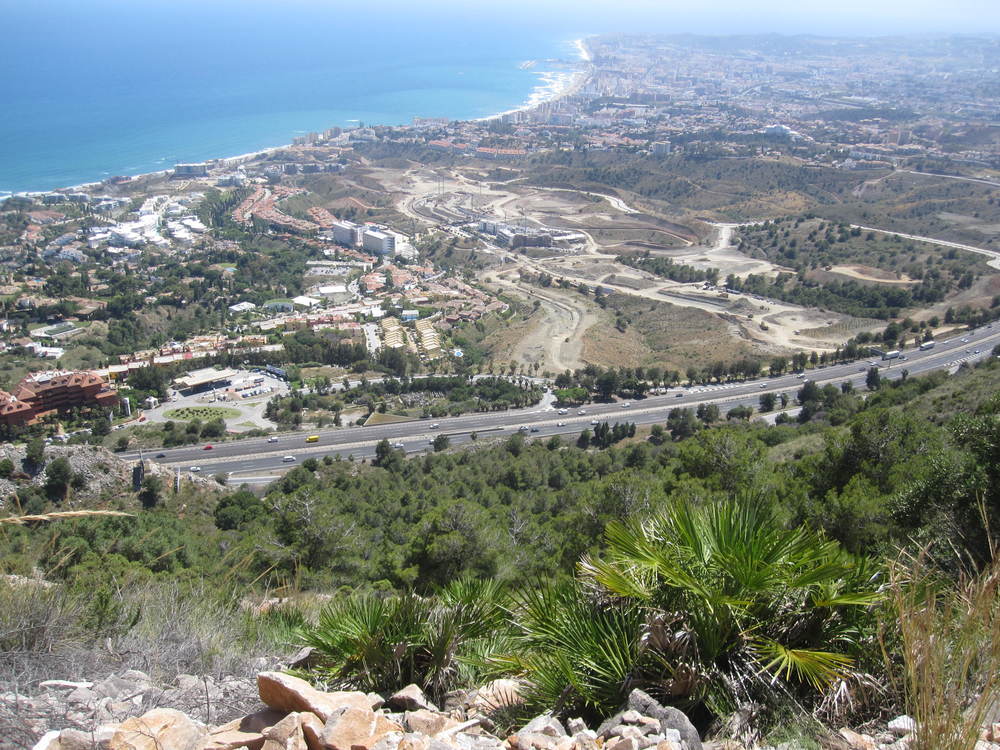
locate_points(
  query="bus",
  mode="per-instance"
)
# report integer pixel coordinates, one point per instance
(312, 439)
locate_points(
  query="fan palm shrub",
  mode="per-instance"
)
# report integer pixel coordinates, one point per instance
(380, 643)
(578, 653)
(714, 605)
(745, 603)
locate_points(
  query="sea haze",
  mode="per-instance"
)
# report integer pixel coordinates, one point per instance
(92, 89)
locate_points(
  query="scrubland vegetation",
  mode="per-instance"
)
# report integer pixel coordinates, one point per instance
(717, 564)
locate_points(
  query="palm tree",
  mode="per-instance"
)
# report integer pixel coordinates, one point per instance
(578, 655)
(375, 643)
(734, 603)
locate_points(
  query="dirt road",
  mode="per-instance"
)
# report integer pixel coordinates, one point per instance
(555, 340)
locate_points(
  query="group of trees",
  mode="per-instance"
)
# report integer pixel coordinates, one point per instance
(490, 393)
(525, 490)
(807, 245)
(606, 435)
(435, 396)
(665, 267)
(192, 432)
(711, 549)
(325, 348)
(849, 297)
(593, 382)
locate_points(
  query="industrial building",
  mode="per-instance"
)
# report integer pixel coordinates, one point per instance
(197, 380)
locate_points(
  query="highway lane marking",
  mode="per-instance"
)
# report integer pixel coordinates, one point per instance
(321, 449)
(620, 416)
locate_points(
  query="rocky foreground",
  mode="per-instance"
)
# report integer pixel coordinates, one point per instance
(297, 716)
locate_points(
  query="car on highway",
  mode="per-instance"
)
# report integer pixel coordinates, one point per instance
(207, 448)
(594, 421)
(272, 440)
(523, 428)
(435, 426)
(564, 411)
(195, 468)
(160, 455)
(560, 424)
(582, 412)
(626, 405)
(678, 395)
(965, 341)
(534, 429)
(288, 459)
(399, 446)
(763, 385)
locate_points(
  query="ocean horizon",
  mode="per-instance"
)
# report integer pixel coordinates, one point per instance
(95, 93)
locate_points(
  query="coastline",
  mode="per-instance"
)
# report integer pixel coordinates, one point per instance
(553, 86)
(556, 85)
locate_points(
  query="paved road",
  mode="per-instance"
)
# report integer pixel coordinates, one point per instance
(257, 460)
(980, 180)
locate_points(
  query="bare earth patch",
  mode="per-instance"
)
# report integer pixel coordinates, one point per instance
(868, 273)
(677, 337)
(553, 335)
(376, 419)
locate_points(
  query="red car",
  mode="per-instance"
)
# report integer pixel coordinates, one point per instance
(207, 448)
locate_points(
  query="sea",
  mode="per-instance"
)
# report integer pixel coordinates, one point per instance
(96, 88)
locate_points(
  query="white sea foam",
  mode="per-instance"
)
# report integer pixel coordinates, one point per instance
(553, 84)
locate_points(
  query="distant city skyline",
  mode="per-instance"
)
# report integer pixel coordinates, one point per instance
(735, 17)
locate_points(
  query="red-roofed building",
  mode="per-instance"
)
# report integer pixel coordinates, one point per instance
(54, 391)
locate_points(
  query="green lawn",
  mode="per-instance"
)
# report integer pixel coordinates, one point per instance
(204, 413)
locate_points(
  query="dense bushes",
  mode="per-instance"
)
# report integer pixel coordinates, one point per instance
(705, 606)
(715, 567)
(378, 643)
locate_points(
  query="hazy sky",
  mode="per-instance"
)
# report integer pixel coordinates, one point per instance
(831, 17)
(753, 16)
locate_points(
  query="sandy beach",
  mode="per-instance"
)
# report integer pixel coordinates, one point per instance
(555, 85)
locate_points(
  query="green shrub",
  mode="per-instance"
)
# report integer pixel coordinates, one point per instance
(379, 644)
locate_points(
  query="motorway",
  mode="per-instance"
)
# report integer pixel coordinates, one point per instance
(260, 460)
